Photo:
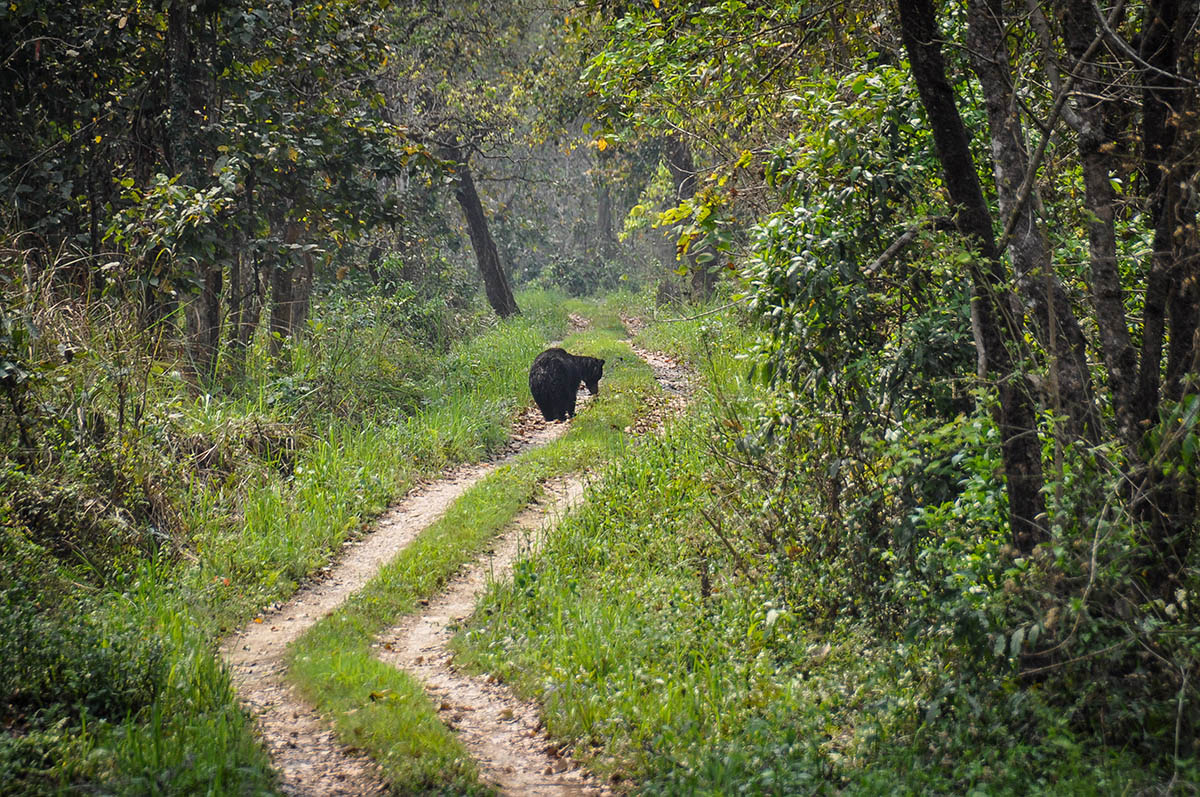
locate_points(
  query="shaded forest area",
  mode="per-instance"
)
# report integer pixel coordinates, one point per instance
(256, 255)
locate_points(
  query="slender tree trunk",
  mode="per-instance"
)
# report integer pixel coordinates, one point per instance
(253, 298)
(604, 221)
(1168, 100)
(994, 320)
(204, 323)
(495, 283)
(302, 279)
(702, 261)
(1168, 497)
(186, 96)
(607, 242)
(283, 290)
(179, 88)
(281, 305)
(248, 288)
(1055, 324)
(1164, 499)
(1108, 294)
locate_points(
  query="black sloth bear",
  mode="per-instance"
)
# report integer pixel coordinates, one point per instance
(554, 378)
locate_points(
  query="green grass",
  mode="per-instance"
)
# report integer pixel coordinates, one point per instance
(381, 710)
(286, 480)
(608, 626)
(289, 524)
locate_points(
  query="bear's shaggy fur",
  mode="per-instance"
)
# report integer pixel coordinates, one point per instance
(554, 378)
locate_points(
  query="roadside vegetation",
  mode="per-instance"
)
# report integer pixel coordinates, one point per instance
(676, 659)
(108, 665)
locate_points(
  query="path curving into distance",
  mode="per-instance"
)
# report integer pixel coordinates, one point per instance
(502, 732)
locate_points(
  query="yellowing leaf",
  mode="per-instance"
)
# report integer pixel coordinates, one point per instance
(293, 155)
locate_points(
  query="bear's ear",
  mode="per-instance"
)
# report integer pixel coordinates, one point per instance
(602, 363)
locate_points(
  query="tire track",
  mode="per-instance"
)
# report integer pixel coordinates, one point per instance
(305, 751)
(502, 732)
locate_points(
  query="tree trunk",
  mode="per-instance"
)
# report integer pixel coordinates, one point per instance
(204, 323)
(495, 283)
(302, 280)
(1167, 497)
(1056, 326)
(1108, 295)
(607, 242)
(246, 287)
(281, 298)
(285, 290)
(702, 261)
(179, 83)
(1163, 499)
(995, 322)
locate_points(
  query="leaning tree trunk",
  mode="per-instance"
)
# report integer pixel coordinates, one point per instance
(995, 323)
(495, 283)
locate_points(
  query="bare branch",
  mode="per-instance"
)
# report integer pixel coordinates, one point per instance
(1123, 46)
(907, 237)
(1036, 160)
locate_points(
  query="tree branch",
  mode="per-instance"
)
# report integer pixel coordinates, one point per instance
(907, 237)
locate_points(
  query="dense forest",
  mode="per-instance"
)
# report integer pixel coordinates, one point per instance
(927, 523)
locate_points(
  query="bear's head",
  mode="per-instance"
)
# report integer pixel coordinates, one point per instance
(591, 369)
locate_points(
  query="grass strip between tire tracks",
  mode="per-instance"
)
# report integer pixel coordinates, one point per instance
(385, 712)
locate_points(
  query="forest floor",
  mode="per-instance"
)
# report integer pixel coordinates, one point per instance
(503, 733)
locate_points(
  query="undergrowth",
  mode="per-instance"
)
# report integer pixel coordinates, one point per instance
(680, 650)
(146, 516)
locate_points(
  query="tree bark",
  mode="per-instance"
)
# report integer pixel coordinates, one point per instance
(281, 305)
(1167, 498)
(995, 322)
(1169, 165)
(179, 87)
(1108, 294)
(291, 288)
(607, 242)
(302, 280)
(495, 283)
(1039, 289)
(1164, 499)
(701, 261)
(204, 323)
